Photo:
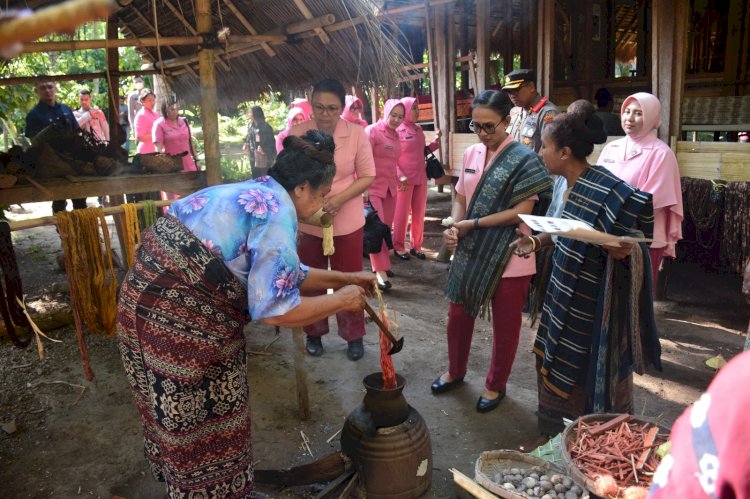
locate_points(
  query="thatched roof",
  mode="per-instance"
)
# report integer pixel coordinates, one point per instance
(354, 45)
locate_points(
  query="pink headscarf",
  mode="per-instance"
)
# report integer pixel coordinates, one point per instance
(651, 110)
(304, 106)
(382, 123)
(408, 103)
(289, 117)
(348, 103)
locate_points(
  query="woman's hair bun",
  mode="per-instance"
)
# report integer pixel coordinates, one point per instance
(314, 144)
(593, 127)
(595, 130)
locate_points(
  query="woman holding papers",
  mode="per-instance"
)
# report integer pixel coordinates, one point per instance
(500, 179)
(597, 324)
(648, 164)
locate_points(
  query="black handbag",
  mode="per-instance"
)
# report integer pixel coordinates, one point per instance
(375, 232)
(433, 167)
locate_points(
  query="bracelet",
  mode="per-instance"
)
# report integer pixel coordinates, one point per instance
(533, 244)
(476, 223)
(538, 242)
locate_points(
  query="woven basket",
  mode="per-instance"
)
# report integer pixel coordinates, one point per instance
(570, 435)
(491, 462)
(7, 180)
(160, 163)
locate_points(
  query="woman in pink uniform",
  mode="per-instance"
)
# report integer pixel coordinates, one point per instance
(500, 179)
(295, 116)
(648, 164)
(353, 110)
(144, 122)
(382, 192)
(171, 135)
(355, 171)
(412, 189)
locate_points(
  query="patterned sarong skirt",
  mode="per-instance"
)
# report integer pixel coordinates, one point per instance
(181, 314)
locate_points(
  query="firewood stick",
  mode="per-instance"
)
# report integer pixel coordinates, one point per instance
(612, 423)
(650, 437)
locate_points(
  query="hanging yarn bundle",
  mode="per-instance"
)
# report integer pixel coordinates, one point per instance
(92, 276)
(148, 213)
(328, 248)
(11, 311)
(131, 232)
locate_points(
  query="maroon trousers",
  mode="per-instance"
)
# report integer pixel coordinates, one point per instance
(507, 305)
(346, 258)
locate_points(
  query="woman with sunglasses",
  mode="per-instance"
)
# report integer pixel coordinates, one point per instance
(355, 171)
(500, 180)
(353, 108)
(412, 188)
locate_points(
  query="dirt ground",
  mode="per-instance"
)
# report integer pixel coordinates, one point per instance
(55, 442)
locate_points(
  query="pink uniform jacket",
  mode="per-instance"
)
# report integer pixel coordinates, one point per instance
(385, 151)
(651, 166)
(176, 139)
(411, 162)
(354, 160)
(144, 124)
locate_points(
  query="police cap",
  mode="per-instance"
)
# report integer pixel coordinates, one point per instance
(515, 79)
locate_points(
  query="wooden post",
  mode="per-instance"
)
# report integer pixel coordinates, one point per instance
(429, 33)
(300, 372)
(209, 114)
(545, 44)
(374, 107)
(483, 45)
(508, 47)
(444, 65)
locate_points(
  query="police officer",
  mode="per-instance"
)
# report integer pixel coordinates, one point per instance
(531, 111)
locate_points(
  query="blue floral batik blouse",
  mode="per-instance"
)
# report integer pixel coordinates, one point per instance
(252, 227)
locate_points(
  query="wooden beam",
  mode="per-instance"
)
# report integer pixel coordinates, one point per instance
(669, 57)
(113, 82)
(483, 45)
(153, 30)
(209, 108)
(508, 46)
(29, 80)
(301, 29)
(109, 44)
(190, 28)
(249, 27)
(181, 183)
(308, 15)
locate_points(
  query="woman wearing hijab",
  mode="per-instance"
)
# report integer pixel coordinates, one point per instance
(382, 192)
(144, 122)
(295, 116)
(412, 189)
(355, 171)
(648, 164)
(353, 110)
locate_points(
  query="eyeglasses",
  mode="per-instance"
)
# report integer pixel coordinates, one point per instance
(320, 109)
(478, 128)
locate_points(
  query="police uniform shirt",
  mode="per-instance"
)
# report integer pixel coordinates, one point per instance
(526, 125)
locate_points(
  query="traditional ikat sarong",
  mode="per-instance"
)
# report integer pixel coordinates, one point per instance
(180, 321)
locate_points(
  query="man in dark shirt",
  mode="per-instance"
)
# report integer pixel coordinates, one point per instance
(605, 103)
(48, 111)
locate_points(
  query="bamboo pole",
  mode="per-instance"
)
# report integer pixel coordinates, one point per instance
(52, 220)
(153, 29)
(206, 29)
(58, 18)
(30, 80)
(249, 27)
(209, 111)
(308, 15)
(299, 28)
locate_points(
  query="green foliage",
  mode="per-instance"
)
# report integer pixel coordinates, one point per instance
(17, 100)
(273, 107)
(234, 170)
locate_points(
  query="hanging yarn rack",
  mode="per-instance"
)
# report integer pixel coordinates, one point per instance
(112, 210)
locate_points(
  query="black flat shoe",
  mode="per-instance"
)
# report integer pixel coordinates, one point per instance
(355, 350)
(401, 256)
(486, 405)
(314, 346)
(418, 254)
(384, 286)
(440, 386)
